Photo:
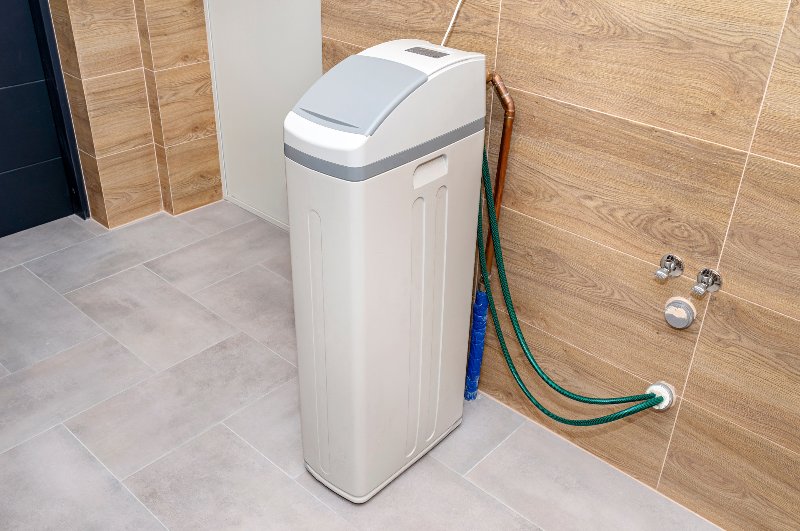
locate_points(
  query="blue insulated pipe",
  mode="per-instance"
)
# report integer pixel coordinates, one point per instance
(476, 338)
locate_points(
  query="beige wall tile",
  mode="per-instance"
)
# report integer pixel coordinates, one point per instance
(118, 112)
(177, 31)
(163, 179)
(596, 299)
(778, 134)
(747, 369)
(152, 102)
(698, 69)
(144, 33)
(106, 36)
(186, 103)
(636, 445)
(376, 21)
(640, 190)
(79, 113)
(761, 260)
(334, 52)
(67, 53)
(475, 29)
(735, 478)
(130, 185)
(94, 190)
(194, 174)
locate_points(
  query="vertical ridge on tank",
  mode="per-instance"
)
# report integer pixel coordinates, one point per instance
(437, 312)
(417, 328)
(318, 337)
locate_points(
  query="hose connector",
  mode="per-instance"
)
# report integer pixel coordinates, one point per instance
(665, 391)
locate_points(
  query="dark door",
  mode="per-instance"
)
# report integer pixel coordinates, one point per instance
(37, 175)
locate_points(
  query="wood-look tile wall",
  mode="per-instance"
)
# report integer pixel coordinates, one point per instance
(139, 86)
(645, 128)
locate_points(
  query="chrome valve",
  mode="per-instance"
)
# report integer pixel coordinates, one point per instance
(671, 266)
(708, 281)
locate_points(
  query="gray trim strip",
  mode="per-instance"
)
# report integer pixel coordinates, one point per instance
(362, 173)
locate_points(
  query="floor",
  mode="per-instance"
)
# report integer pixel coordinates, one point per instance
(148, 380)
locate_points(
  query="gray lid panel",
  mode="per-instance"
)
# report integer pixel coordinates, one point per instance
(358, 94)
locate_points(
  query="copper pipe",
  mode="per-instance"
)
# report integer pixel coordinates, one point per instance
(502, 160)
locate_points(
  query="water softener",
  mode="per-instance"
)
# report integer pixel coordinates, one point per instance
(383, 167)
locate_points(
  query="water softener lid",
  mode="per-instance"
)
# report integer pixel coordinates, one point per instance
(358, 94)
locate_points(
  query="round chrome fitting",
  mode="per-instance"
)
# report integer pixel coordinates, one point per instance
(665, 390)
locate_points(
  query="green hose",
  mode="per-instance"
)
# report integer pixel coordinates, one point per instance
(646, 400)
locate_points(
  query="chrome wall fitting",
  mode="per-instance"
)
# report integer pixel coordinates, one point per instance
(708, 281)
(664, 390)
(679, 313)
(671, 266)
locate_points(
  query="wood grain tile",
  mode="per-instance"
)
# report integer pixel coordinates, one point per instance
(152, 102)
(130, 185)
(94, 189)
(186, 103)
(778, 134)
(65, 41)
(80, 113)
(118, 112)
(163, 179)
(177, 31)
(106, 36)
(761, 260)
(194, 174)
(597, 299)
(370, 23)
(144, 33)
(643, 191)
(475, 29)
(333, 52)
(747, 369)
(735, 478)
(636, 444)
(698, 68)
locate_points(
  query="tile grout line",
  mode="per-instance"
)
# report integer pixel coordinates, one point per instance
(539, 425)
(680, 404)
(50, 356)
(240, 331)
(83, 79)
(156, 70)
(779, 161)
(755, 131)
(727, 231)
(486, 492)
(493, 449)
(182, 143)
(112, 336)
(605, 246)
(344, 42)
(92, 237)
(587, 352)
(26, 166)
(123, 485)
(617, 117)
(127, 150)
(760, 305)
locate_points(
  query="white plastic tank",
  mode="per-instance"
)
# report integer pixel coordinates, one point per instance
(383, 167)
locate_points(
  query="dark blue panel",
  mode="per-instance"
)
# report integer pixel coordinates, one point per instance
(32, 196)
(19, 52)
(27, 129)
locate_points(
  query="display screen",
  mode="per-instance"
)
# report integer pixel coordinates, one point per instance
(436, 54)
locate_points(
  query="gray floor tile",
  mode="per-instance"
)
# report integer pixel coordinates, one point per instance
(426, 496)
(560, 486)
(272, 426)
(218, 482)
(52, 482)
(486, 424)
(116, 250)
(35, 321)
(157, 322)
(45, 394)
(39, 241)
(217, 217)
(3, 371)
(220, 256)
(260, 303)
(281, 263)
(89, 224)
(133, 428)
